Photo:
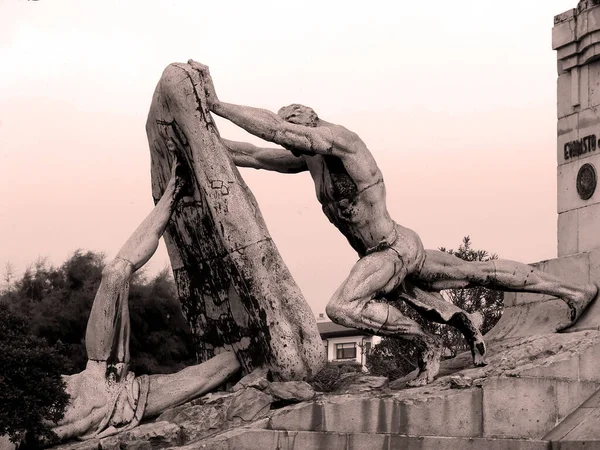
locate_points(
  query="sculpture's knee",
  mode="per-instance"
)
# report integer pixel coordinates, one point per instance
(334, 310)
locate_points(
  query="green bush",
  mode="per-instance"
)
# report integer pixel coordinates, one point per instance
(32, 392)
(327, 379)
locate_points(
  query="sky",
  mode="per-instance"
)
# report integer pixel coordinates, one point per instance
(456, 101)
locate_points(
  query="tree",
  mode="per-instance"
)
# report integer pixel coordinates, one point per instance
(43, 318)
(32, 392)
(396, 357)
(56, 302)
(8, 277)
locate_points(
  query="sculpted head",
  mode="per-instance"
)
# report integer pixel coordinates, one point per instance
(299, 114)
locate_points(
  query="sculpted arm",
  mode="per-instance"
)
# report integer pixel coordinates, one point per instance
(270, 127)
(276, 159)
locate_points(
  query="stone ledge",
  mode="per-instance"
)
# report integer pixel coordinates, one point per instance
(531, 314)
(301, 440)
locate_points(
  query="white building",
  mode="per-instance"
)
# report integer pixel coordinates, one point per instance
(345, 345)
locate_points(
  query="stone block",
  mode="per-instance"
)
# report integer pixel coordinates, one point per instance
(568, 198)
(250, 439)
(510, 323)
(575, 79)
(592, 402)
(510, 299)
(566, 369)
(587, 429)
(301, 417)
(575, 268)
(453, 443)
(584, 87)
(567, 231)
(459, 414)
(588, 226)
(570, 395)
(592, 17)
(594, 83)
(567, 51)
(563, 95)
(362, 415)
(519, 407)
(265, 439)
(594, 258)
(567, 131)
(529, 319)
(563, 34)
(588, 122)
(567, 425)
(581, 25)
(589, 364)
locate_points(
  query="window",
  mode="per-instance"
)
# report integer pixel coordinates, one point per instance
(345, 351)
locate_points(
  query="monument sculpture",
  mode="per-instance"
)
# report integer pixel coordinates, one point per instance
(107, 398)
(247, 314)
(393, 263)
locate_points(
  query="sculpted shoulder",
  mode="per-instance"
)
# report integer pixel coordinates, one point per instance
(345, 140)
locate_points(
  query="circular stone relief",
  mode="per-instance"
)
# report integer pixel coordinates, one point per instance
(586, 181)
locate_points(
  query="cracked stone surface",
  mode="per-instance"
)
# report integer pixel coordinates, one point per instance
(452, 404)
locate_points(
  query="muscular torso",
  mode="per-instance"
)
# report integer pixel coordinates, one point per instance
(352, 194)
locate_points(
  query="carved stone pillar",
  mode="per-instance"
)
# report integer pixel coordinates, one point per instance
(576, 39)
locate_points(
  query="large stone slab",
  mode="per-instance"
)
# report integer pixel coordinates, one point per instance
(267, 439)
(235, 290)
(529, 314)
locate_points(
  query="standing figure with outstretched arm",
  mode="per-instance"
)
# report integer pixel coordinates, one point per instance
(106, 397)
(393, 263)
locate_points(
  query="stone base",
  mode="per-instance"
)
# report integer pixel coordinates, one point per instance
(303, 440)
(530, 385)
(530, 395)
(527, 314)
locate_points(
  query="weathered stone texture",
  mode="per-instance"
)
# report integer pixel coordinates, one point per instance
(235, 289)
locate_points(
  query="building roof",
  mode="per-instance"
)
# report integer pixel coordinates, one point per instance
(330, 329)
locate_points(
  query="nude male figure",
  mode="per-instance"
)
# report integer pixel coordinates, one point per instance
(393, 263)
(106, 397)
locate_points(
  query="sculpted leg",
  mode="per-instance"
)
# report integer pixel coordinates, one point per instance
(433, 307)
(444, 271)
(168, 391)
(358, 303)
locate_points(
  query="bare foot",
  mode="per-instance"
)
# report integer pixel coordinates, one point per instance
(478, 347)
(428, 368)
(470, 326)
(579, 303)
(478, 352)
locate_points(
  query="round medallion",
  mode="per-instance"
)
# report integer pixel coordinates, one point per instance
(586, 181)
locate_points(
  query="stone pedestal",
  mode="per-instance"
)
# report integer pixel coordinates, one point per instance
(576, 38)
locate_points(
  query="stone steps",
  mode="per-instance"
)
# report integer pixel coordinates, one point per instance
(303, 440)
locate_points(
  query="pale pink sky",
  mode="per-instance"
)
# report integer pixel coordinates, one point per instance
(456, 100)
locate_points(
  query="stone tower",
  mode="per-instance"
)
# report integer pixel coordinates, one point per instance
(576, 39)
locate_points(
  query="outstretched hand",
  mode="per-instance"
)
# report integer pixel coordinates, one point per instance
(209, 87)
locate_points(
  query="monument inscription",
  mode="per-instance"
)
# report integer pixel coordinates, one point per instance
(578, 147)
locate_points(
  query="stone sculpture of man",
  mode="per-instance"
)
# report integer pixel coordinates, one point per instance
(393, 263)
(106, 397)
